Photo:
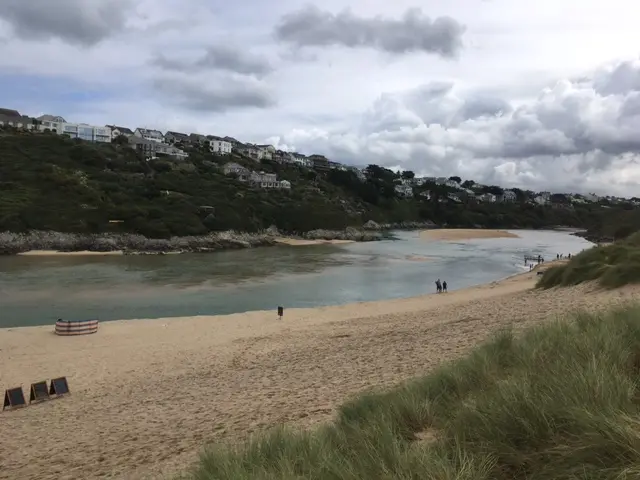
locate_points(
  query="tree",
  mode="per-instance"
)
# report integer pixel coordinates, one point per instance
(467, 184)
(408, 174)
(455, 179)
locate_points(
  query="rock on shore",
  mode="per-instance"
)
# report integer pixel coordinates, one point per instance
(14, 243)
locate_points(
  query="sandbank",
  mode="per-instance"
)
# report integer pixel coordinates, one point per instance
(298, 242)
(37, 253)
(147, 395)
(451, 234)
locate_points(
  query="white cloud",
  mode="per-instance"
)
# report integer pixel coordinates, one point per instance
(545, 97)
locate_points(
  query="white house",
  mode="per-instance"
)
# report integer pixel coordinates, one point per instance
(441, 180)
(267, 151)
(404, 190)
(487, 197)
(171, 151)
(153, 135)
(452, 184)
(286, 184)
(591, 197)
(264, 180)
(86, 132)
(508, 196)
(59, 125)
(221, 147)
(540, 200)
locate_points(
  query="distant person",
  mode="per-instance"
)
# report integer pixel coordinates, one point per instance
(557, 256)
(444, 286)
(438, 286)
(569, 256)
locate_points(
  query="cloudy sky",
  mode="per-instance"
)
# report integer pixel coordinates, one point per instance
(542, 95)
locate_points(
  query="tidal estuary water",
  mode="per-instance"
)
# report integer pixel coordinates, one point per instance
(38, 290)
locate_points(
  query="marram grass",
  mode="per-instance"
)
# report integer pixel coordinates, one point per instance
(560, 402)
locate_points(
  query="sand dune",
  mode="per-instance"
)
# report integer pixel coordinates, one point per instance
(301, 242)
(451, 234)
(148, 394)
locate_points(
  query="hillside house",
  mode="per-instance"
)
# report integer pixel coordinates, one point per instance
(487, 198)
(320, 162)
(146, 147)
(508, 196)
(233, 168)
(148, 134)
(170, 151)
(117, 131)
(267, 151)
(13, 118)
(404, 190)
(264, 180)
(250, 151)
(219, 146)
(176, 137)
(197, 139)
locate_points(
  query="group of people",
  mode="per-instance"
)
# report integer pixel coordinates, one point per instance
(560, 256)
(441, 286)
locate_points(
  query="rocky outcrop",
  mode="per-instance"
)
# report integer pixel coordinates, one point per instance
(350, 233)
(14, 243)
(371, 225)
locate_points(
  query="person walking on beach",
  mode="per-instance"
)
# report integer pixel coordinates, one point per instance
(444, 286)
(438, 286)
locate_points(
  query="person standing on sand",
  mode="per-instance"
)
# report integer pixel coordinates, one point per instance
(438, 286)
(444, 286)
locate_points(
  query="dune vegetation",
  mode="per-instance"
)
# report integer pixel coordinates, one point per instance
(611, 266)
(557, 401)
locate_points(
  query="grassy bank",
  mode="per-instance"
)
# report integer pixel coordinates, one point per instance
(559, 401)
(611, 266)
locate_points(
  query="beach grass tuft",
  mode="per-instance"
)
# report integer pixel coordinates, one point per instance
(558, 401)
(612, 266)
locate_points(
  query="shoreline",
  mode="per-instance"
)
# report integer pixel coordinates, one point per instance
(241, 373)
(375, 305)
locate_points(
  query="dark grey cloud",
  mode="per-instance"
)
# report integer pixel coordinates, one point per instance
(219, 58)
(78, 22)
(414, 32)
(218, 95)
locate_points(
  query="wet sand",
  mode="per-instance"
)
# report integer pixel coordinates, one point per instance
(452, 234)
(147, 395)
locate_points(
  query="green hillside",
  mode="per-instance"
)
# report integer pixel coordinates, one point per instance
(49, 182)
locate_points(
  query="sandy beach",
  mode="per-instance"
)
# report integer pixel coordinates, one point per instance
(453, 234)
(297, 242)
(147, 395)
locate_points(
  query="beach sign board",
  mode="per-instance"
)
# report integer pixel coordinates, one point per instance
(59, 386)
(13, 398)
(39, 392)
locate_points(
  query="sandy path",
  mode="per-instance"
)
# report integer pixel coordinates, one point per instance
(148, 394)
(451, 234)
